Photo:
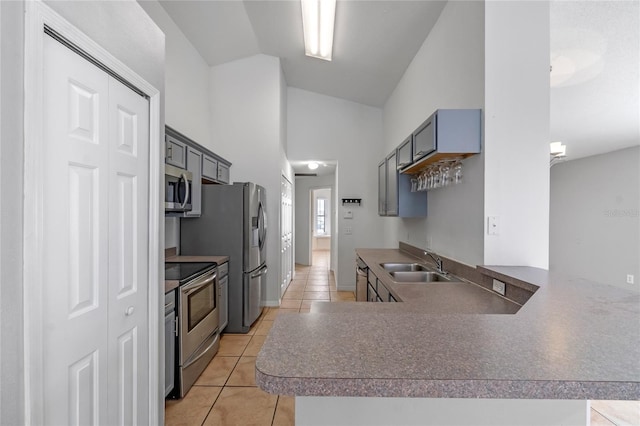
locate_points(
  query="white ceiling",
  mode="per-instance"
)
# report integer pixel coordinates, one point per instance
(595, 93)
(594, 110)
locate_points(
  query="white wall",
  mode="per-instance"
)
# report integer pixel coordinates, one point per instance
(246, 129)
(447, 72)
(304, 185)
(187, 102)
(188, 107)
(123, 29)
(595, 219)
(517, 132)
(11, 188)
(326, 128)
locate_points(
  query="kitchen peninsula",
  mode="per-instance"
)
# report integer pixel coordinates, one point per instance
(381, 363)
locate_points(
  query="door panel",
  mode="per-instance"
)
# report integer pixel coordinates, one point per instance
(128, 271)
(75, 238)
(83, 390)
(96, 134)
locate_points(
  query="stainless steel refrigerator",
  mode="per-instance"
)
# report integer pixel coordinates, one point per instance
(233, 223)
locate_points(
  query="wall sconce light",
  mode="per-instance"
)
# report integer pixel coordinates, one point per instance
(318, 18)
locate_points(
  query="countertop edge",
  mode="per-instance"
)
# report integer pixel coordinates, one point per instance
(476, 389)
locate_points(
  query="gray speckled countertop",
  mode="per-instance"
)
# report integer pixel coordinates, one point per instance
(573, 339)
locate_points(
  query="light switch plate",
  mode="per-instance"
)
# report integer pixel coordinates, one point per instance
(348, 214)
(499, 287)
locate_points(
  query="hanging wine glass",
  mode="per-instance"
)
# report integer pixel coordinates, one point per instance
(457, 171)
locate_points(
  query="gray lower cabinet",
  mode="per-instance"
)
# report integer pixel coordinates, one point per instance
(377, 291)
(169, 341)
(394, 192)
(223, 286)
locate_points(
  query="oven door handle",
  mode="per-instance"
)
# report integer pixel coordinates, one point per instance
(191, 361)
(192, 288)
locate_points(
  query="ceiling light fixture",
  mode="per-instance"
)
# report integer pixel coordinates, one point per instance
(558, 152)
(318, 18)
(558, 149)
(312, 165)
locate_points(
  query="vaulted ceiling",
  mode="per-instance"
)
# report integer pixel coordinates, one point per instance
(595, 51)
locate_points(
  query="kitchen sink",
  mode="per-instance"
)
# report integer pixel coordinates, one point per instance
(419, 276)
(403, 267)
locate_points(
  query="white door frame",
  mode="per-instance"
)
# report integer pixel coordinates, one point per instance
(34, 277)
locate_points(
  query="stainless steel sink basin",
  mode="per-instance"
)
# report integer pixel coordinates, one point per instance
(403, 267)
(418, 276)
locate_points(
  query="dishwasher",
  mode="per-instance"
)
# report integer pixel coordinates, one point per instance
(362, 271)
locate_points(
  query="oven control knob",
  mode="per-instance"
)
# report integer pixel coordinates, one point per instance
(129, 311)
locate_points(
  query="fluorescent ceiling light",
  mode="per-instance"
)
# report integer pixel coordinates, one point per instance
(312, 165)
(318, 17)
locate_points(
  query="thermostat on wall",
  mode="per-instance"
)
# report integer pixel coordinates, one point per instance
(348, 214)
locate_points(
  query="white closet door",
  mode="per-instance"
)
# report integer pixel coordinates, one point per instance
(94, 245)
(128, 254)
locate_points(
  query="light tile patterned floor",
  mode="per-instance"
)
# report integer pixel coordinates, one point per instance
(226, 393)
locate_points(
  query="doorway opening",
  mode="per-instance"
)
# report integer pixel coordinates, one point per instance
(321, 225)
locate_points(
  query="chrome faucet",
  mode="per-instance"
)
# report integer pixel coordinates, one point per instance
(438, 261)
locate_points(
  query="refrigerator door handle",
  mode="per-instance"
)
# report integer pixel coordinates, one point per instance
(261, 271)
(262, 225)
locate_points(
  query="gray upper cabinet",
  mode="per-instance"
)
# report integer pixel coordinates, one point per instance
(424, 138)
(392, 184)
(405, 152)
(206, 167)
(209, 168)
(176, 152)
(215, 169)
(447, 133)
(382, 188)
(394, 192)
(223, 173)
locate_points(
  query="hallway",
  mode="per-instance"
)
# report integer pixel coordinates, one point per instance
(226, 393)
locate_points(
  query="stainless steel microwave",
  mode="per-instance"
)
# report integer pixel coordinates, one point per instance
(177, 186)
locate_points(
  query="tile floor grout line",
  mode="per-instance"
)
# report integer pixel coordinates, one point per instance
(606, 417)
(273, 419)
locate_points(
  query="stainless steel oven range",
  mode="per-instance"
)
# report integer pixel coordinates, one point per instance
(198, 320)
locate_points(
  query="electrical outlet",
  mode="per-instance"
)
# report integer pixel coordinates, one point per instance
(348, 230)
(630, 279)
(499, 287)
